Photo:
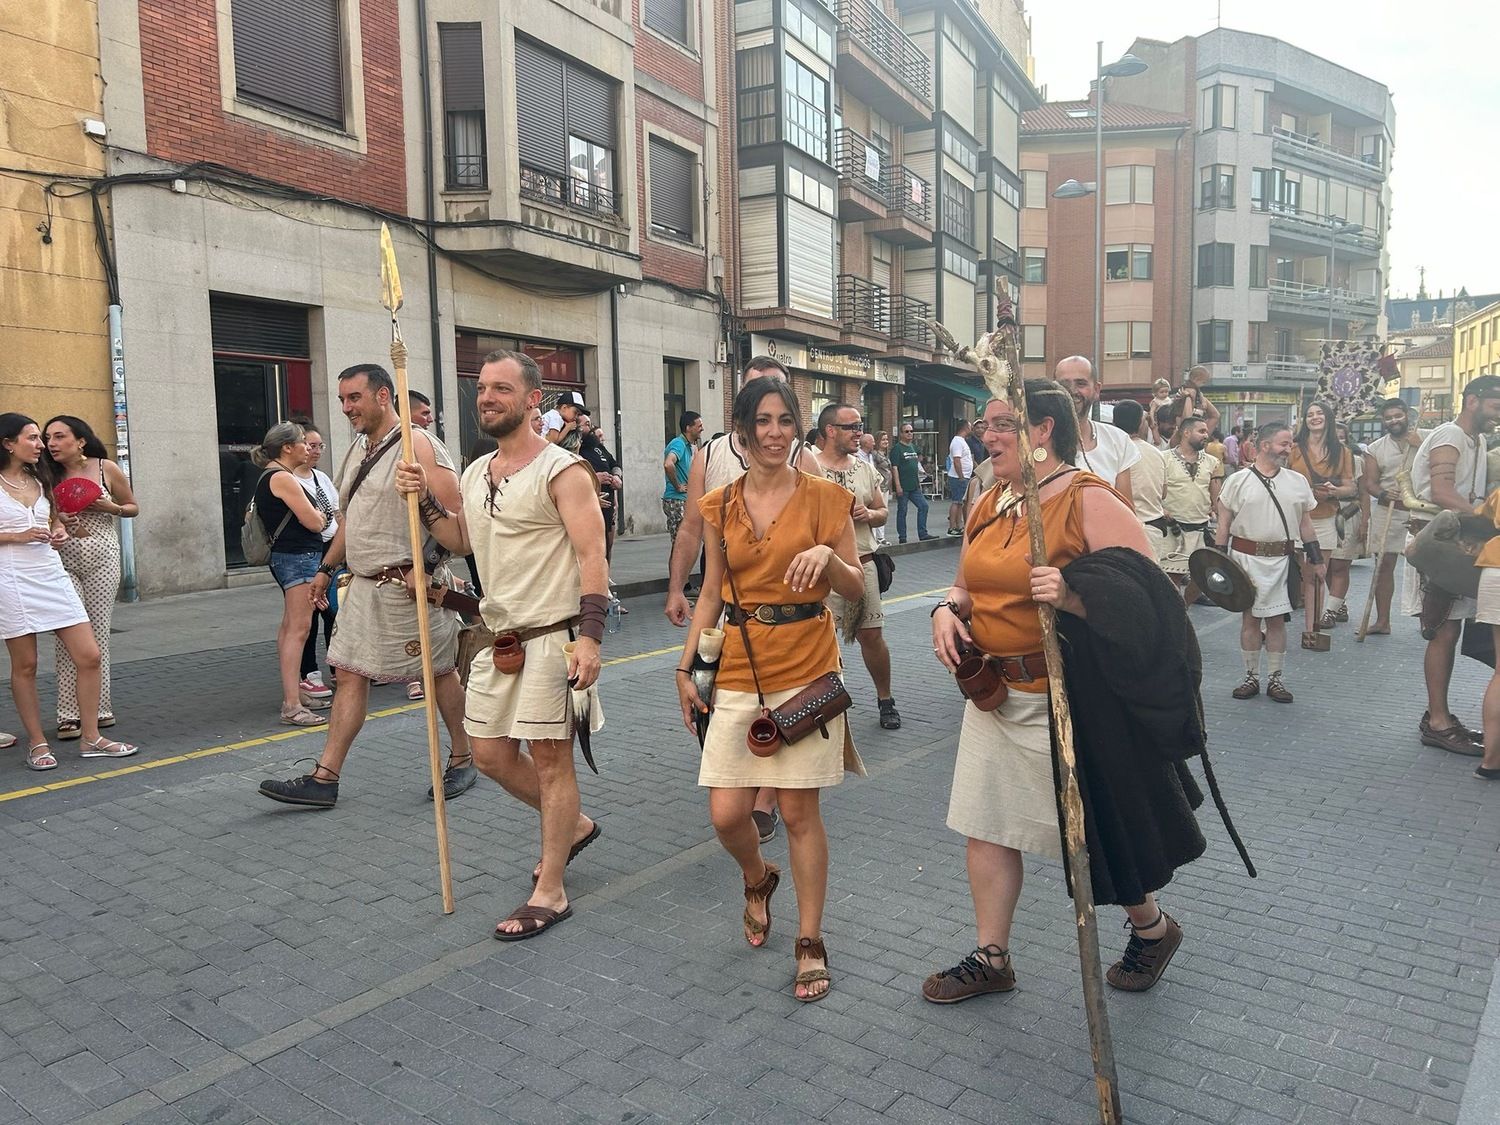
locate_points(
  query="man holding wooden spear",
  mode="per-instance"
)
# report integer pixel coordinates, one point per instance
(377, 632)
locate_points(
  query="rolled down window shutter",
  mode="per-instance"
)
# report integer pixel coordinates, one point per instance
(668, 17)
(463, 67)
(257, 327)
(288, 53)
(590, 106)
(672, 188)
(539, 108)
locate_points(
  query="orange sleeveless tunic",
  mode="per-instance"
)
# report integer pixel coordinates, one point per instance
(997, 574)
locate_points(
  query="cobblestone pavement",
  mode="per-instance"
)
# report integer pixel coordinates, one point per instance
(175, 948)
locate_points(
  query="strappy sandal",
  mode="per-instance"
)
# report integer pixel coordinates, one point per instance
(301, 717)
(102, 747)
(69, 729)
(572, 852)
(810, 948)
(760, 893)
(535, 919)
(46, 760)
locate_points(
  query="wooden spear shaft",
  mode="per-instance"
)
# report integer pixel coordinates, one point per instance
(1101, 1046)
(1364, 618)
(392, 300)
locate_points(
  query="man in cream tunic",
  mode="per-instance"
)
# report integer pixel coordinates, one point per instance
(376, 635)
(531, 518)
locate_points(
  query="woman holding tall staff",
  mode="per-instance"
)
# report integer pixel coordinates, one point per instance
(1099, 567)
(80, 464)
(37, 596)
(783, 540)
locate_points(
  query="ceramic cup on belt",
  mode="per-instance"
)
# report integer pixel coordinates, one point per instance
(980, 681)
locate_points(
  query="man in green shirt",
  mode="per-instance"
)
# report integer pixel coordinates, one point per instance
(907, 480)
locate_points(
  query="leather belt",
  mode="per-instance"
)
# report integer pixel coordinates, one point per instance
(438, 594)
(1275, 549)
(539, 630)
(769, 614)
(1023, 669)
(1192, 526)
(1162, 524)
(866, 558)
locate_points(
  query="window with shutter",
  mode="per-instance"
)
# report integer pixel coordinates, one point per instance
(671, 190)
(461, 49)
(565, 131)
(668, 17)
(289, 55)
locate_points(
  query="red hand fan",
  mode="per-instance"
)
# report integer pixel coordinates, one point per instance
(75, 494)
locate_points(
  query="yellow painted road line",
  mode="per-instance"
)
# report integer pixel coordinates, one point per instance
(300, 732)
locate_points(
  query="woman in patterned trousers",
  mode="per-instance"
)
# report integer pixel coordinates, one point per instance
(90, 555)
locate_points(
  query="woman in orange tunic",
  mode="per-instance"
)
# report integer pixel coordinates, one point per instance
(789, 539)
(1004, 798)
(1328, 465)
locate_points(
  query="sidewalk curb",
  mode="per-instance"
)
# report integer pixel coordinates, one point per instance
(644, 586)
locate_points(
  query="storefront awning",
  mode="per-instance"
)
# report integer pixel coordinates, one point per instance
(977, 393)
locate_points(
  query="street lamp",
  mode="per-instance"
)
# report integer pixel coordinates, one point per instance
(1123, 67)
(1336, 227)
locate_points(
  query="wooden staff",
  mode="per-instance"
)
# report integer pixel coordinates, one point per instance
(995, 354)
(391, 299)
(1364, 620)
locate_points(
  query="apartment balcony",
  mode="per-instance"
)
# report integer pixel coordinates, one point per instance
(861, 167)
(881, 65)
(1297, 298)
(1311, 231)
(1294, 367)
(572, 226)
(864, 312)
(911, 330)
(1006, 258)
(908, 214)
(1304, 149)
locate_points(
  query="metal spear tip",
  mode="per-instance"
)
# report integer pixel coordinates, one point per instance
(390, 275)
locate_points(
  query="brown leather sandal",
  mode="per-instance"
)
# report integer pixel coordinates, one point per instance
(809, 948)
(758, 893)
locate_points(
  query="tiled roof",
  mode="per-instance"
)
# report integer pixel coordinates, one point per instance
(1441, 348)
(1055, 117)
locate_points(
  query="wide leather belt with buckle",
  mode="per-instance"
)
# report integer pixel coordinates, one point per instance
(1275, 549)
(438, 593)
(1023, 669)
(769, 614)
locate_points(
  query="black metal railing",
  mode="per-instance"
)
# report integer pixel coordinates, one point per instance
(863, 305)
(884, 39)
(908, 194)
(911, 321)
(568, 191)
(1007, 258)
(855, 158)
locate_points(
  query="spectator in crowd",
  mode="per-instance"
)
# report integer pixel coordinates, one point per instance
(560, 424)
(295, 527)
(36, 595)
(325, 497)
(90, 554)
(960, 469)
(677, 462)
(907, 482)
(421, 410)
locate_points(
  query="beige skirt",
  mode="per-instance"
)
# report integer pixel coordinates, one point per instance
(813, 763)
(375, 634)
(1003, 791)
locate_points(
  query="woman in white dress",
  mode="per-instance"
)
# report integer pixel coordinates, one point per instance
(36, 595)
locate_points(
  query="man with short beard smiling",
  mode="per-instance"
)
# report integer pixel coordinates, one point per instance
(1104, 451)
(530, 515)
(1390, 454)
(1191, 492)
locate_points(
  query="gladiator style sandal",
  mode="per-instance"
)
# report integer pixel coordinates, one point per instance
(810, 948)
(758, 893)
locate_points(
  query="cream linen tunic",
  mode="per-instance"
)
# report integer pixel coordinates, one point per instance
(529, 571)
